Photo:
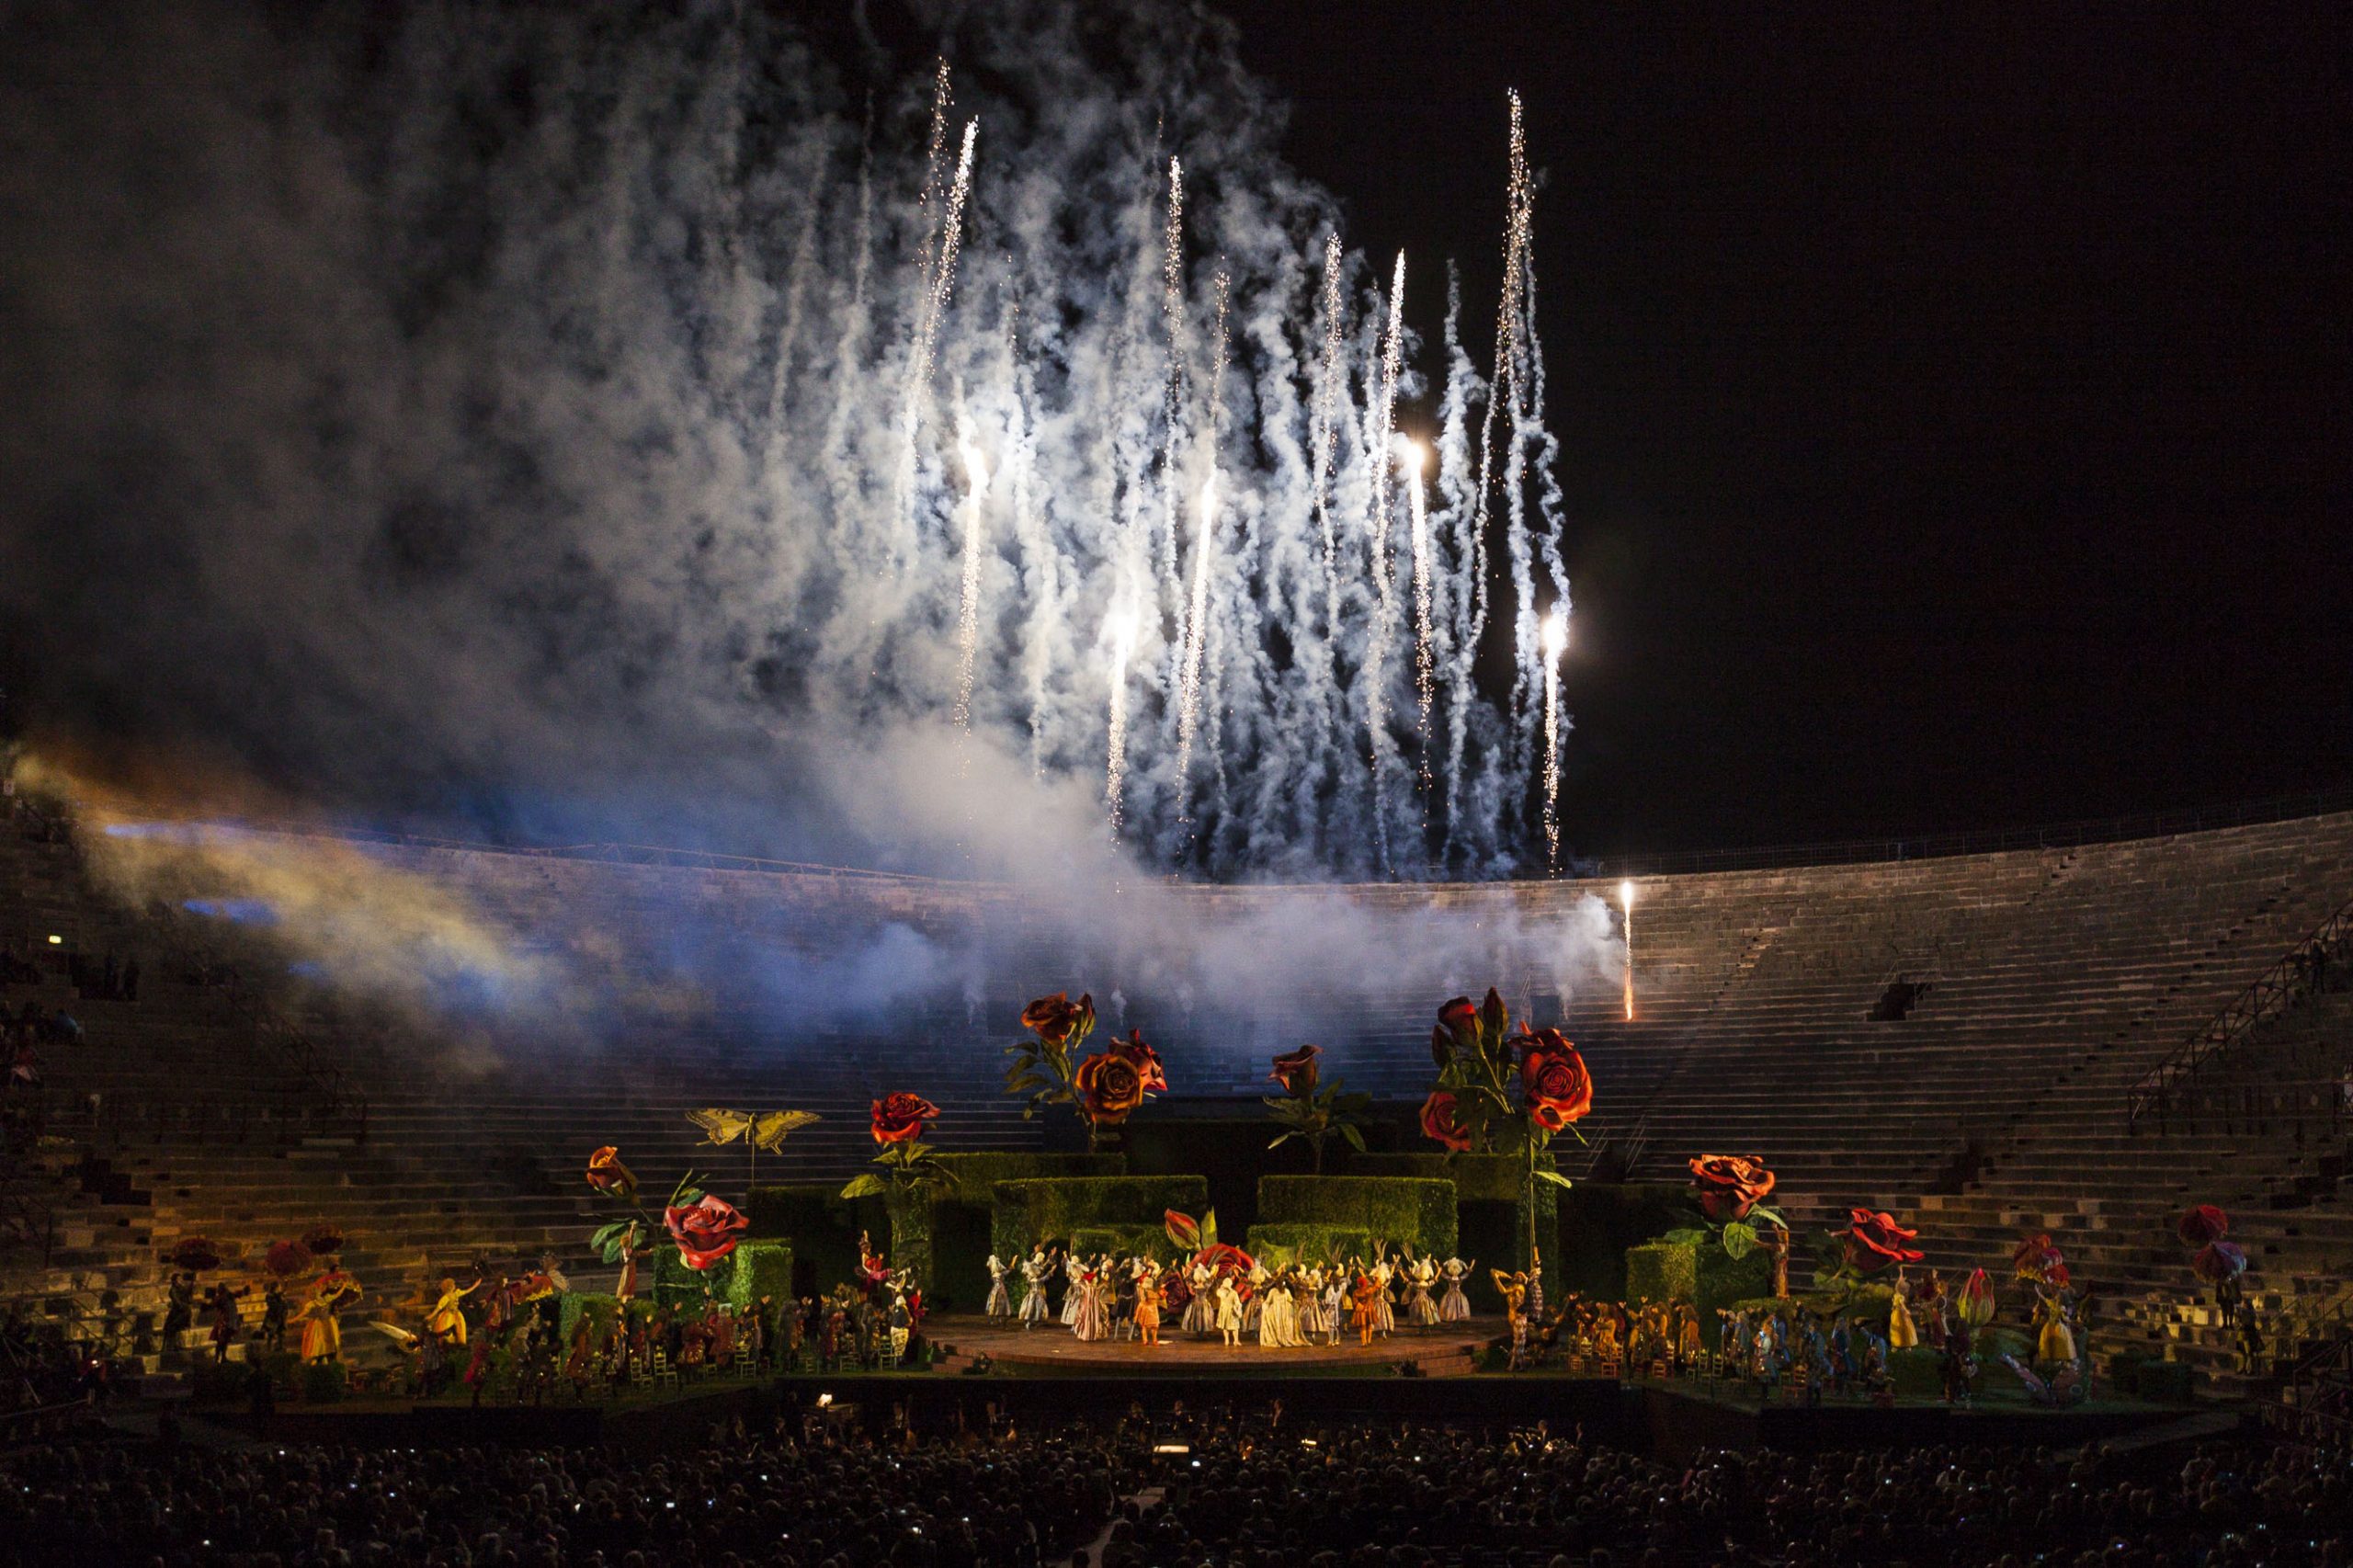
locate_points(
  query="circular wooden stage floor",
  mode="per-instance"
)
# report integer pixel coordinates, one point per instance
(1439, 1352)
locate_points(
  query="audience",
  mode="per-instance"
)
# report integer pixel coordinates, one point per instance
(1244, 1491)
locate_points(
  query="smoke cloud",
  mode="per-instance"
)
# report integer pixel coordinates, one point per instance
(599, 420)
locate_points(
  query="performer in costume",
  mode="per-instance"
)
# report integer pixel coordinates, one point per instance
(1148, 1308)
(1229, 1310)
(1385, 1315)
(1034, 1274)
(1513, 1287)
(1336, 1304)
(273, 1315)
(1276, 1324)
(330, 1293)
(1000, 1303)
(1364, 1316)
(626, 1289)
(1308, 1296)
(225, 1322)
(1200, 1312)
(1421, 1272)
(1454, 1306)
(446, 1320)
(1253, 1300)
(1091, 1288)
(1902, 1335)
(1073, 1270)
(2056, 1343)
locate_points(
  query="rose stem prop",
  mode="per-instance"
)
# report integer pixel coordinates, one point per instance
(1474, 1054)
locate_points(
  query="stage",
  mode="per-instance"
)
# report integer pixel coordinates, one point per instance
(1051, 1350)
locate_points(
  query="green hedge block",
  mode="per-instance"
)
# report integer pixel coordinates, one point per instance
(1398, 1210)
(753, 1269)
(1056, 1208)
(1919, 1373)
(1124, 1241)
(1663, 1271)
(1293, 1241)
(821, 1226)
(1722, 1280)
(958, 1224)
(598, 1307)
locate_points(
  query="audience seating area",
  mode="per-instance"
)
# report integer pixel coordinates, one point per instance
(1952, 1040)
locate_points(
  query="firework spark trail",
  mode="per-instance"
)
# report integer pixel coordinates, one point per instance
(920, 350)
(1041, 560)
(1172, 316)
(1507, 394)
(968, 615)
(796, 294)
(1380, 429)
(1121, 628)
(1410, 464)
(1197, 610)
(1626, 906)
(1556, 641)
(848, 346)
(1468, 553)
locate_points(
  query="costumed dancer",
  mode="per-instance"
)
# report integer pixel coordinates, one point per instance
(2056, 1343)
(1364, 1316)
(447, 1319)
(1309, 1299)
(1253, 1303)
(1073, 1271)
(1455, 1307)
(624, 1288)
(1000, 1303)
(1384, 1313)
(1229, 1310)
(273, 1315)
(1148, 1307)
(1092, 1289)
(1421, 1272)
(1035, 1271)
(330, 1293)
(1335, 1312)
(1513, 1287)
(1200, 1311)
(1902, 1333)
(225, 1322)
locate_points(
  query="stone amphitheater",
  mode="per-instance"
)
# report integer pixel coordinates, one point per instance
(1964, 1040)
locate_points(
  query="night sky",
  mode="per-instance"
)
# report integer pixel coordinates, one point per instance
(1954, 401)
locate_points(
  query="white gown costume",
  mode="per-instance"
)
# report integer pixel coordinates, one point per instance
(1034, 1274)
(1000, 1298)
(1455, 1307)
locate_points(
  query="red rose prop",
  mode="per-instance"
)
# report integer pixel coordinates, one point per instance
(286, 1259)
(1056, 1019)
(1442, 1121)
(195, 1253)
(2203, 1226)
(1874, 1242)
(1142, 1057)
(1729, 1185)
(609, 1176)
(2218, 1261)
(1459, 1018)
(1109, 1087)
(2035, 1258)
(1553, 1079)
(1296, 1071)
(900, 1115)
(1973, 1303)
(706, 1231)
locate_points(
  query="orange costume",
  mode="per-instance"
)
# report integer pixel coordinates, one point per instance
(1365, 1314)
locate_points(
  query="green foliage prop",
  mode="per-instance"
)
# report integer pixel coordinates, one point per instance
(1401, 1210)
(1056, 1208)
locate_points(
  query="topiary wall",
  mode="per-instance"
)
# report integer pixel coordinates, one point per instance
(822, 1227)
(1663, 1271)
(1293, 1241)
(1398, 1210)
(753, 1269)
(960, 1223)
(1491, 1214)
(1056, 1208)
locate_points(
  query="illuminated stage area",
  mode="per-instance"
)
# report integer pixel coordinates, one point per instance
(1072, 784)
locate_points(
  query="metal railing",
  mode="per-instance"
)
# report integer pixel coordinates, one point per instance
(2272, 992)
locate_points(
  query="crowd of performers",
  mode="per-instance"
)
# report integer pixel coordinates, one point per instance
(1226, 1295)
(505, 1334)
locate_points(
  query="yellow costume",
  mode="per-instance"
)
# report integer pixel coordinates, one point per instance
(1901, 1333)
(322, 1335)
(448, 1319)
(2056, 1343)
